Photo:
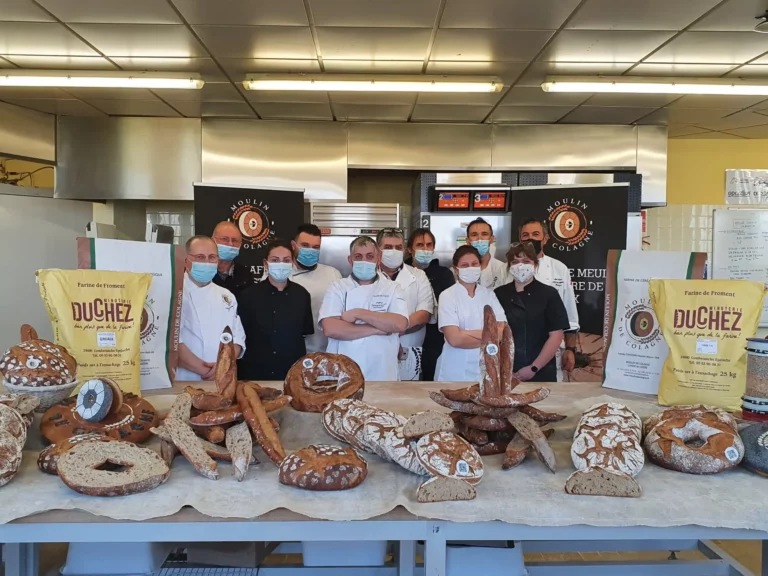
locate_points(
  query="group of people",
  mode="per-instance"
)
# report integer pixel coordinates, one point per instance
(397, 304)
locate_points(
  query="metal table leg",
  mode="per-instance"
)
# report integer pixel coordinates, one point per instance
(406, 558)
(20, 559)
(435, 552)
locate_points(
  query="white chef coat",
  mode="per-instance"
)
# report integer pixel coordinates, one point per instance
(376, 355)
(554, 273)
(457, 308)
(316, 282)
(494, 275)
(418, 296)
(205, 312)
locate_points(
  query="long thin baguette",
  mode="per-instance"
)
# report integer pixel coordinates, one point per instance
(529, 429)
(189, 445)
(461, 394)
(257, 419)
(507, 352)
(215, 434)
(470, 407)
(513, 400)
(541, 416)
(489, 355)
(226, 366)
(203, 400)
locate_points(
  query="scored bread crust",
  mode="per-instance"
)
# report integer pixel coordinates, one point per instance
(309, 394)
(447, 454)
(490, 358)
(13, 435)
(226, 366)
(322, 467)
(204, 400)
(38, 363)
(78, 469)
(258, 420)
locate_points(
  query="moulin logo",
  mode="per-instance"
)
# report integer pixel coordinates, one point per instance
(639, 328)
(252, 218)
(148, 321)
(569, 224)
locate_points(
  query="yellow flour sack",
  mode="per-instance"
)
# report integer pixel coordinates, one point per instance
(96, 315)
(706, 324)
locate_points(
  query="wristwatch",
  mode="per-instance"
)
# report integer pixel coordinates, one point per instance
(534, 369)
(571, 349)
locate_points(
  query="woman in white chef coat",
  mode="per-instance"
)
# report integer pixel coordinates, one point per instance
(460, 319)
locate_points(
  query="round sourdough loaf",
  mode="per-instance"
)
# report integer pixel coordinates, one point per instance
(447, 454)
(13, 435)
(318, 379)
(38, 363)
(322, 467)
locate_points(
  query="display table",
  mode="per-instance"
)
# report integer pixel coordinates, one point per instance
(677, 511)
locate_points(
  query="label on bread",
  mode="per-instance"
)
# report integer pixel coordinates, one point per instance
(308, 363)
(33, 363)
(226, 338)
(106, 339)
(462, 467)
(732, 454)
(492, 349)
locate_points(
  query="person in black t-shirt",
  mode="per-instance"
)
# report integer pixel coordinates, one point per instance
(276, 315)
(536, 315)
(421, 247)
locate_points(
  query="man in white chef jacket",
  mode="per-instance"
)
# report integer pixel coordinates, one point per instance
(419, 299)
(363, 315)
(316, 278)
(554, 273)
(493, 272)
(206, 310)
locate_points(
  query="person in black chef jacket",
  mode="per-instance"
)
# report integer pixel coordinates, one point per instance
(421, 247)
(276, 315)
(536, 315)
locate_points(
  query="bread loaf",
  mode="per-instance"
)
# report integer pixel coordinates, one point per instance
(24, 404)
(447, 454)
(529, 429)
(341, 378)
(755, 439)
(48, 459)
(490, 358)
(258, 421)
(240, 447)
(226, 366)
(601, 482)
(188, 444)
(203, 400)
(322, 467)
(426, 422)
(440, 489)
(13, 435)
(37, 363)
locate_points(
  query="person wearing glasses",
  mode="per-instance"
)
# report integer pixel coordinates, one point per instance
(556, 274)
(460, 317)
(364, 314)
(536, 315)
(480, 237)
(418, 298)
(206, 310)
(230, 274)
(421, 247)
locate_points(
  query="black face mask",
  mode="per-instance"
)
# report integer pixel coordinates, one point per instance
(536, 245)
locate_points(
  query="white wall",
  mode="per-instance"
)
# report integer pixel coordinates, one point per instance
(35, 233)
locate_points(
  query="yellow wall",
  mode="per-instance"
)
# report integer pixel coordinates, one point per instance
(696, 168)
(42, 179)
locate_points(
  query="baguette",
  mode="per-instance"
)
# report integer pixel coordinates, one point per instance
(529, 429)
(507, 362)
(541, 416)
(470, 407)
(264, 392)
(491, 448)
(461, 394)
(518, 449)
(512, 400)
(489, 355)
(181, 409)
(215, 451)
(218, 417)
(240, 447)
(486, 423)
(203, 400)
(215, 434)
(189, 445)
(257, 419)
(226, 366)
(472, 435)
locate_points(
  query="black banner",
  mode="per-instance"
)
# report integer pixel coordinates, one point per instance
(260, 214)
(584, 223)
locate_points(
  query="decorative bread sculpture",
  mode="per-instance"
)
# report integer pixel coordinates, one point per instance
(323, 467)
(37, 363)
(81, 468)
(13, 435)
(607, 452)
(318, 379)
(489, 413)
(694, 439)
(97, 398)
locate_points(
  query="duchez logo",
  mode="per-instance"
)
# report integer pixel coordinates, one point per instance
(252, 218)
(569, 225)
(148, 321)
(639, 328)
(725, 318)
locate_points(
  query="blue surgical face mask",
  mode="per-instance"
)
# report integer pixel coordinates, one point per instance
(308, 257)
(203, 272)
(280, 271)
(481, 246)
(363, 270)
(227, 253)
(423, 257)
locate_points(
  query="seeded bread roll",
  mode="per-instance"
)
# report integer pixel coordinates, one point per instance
(438, 489)
(323, 467)
(143, 469)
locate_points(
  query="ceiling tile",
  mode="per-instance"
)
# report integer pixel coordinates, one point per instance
(5, 63)
(63, 62)
(112, 11)
(732, 16)
(134, 107)
(375, 13)
(538, 71)
(605, 115)
(258, 41)
(677, 131)
(713, 48)
(671, 69)
(371, 112)
(19, 92)
(439, 113)
(276, 110)
(632, 100)
(22, 11)
(374, 98)
(603, 45)
(717, 136)
(240, 13)
(525, 96)
(753, 71)
(373, 43)
(110, 93)
(373, 66)
(141, 40)
(210, 92)
(686, 115)
(33, 39)
(530, 114)
(507, 71)
(239, 67)
(644, 15)
(710, 101)
(658, 118)
(297, 96)
(757, 132)
(743, 119)
(471, 99)
(61, 107)
(488, 45)
(204, 66)
(213, 109)
(512, 14)
(762, 60)
(762, 107)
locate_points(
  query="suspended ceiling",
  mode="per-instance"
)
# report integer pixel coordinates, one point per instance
(519, 40)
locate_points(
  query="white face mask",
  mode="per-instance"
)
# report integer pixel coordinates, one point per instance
(522, 273)
(470, 275)
(392, 259)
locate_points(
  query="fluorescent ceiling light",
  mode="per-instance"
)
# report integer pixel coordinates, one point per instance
(354, 83)
(629, 85)
(93, 79)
